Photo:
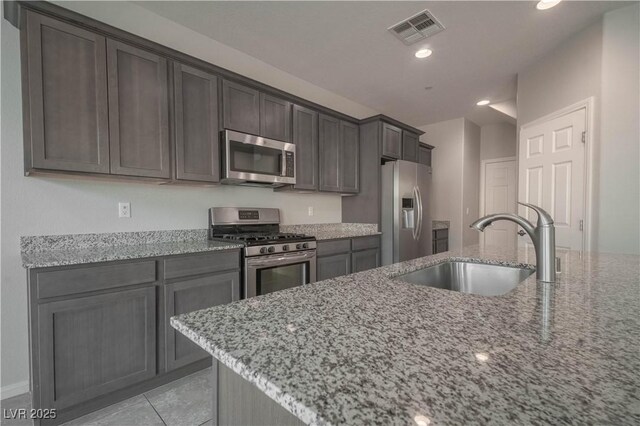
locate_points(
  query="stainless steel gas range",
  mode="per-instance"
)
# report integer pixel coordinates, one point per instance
(272, 260)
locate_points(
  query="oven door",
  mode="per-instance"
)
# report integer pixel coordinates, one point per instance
(249, 158)
(266, 274)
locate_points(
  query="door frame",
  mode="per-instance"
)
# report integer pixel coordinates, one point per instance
(483, 174)
(590, 142)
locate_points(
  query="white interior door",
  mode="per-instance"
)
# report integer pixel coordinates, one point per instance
(552, 174)
(499, 197)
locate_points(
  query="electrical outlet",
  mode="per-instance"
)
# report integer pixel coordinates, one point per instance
(124, 209)
(310, 210)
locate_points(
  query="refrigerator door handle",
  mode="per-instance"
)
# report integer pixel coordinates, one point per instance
(416, 227)
(419, 201)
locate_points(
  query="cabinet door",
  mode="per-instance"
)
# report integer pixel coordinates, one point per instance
(333, 266)
(67, 97)
(305, 137)
(424, 155)
(409, 147)
(364, 260)
(275, 118)
(89, 346)
(391, 141)
(191, 295)
(138, 112)
(241, 108)
(196, 125)
(349, 157)
(329, 142)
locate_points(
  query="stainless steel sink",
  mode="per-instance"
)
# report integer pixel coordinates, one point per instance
(468, 277)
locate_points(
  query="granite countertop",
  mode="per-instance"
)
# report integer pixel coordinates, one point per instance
(367, 349)
(334, 231)
(60, 250)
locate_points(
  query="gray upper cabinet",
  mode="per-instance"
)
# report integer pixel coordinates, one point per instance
(424, 155)
(241, 107)
(349, 157)
(197, 129)
(275, 118)
(409, 146)
(191, 295)
(305, 137)
(391, 141)
(89, 346)
(138, 112)
(65, 83)
(329, 143)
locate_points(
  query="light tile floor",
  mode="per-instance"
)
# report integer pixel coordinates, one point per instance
(184, 402)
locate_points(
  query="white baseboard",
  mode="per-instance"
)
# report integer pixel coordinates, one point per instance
(15, 389)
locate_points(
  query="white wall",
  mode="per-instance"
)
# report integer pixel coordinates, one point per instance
(456, 176)
(37, 206)
(470, 183)
(601, 62)
(618, 203)
(498, 141)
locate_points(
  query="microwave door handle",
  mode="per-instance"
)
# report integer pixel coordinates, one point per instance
(283, 164)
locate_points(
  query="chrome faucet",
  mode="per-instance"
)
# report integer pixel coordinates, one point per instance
(543, 237)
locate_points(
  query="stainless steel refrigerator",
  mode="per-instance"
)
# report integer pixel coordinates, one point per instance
(406, 216)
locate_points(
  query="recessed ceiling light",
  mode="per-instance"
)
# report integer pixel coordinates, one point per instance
(423, 53)
(484, 102)
(428, 88)
(547, 4)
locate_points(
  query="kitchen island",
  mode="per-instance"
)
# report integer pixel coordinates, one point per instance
(368, 349)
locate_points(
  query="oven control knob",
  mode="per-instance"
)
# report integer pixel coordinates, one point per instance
(305, 245)
(271, 249)
(298, 246)
(285, 248)
(263, 250)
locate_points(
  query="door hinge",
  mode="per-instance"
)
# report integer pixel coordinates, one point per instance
(584, 137)
(581, 224)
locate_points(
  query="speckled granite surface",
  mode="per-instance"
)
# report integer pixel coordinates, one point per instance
(366, 349)
(331, 231)
(48, 258)
(440, 224)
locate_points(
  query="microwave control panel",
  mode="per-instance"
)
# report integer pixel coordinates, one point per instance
(289, 164)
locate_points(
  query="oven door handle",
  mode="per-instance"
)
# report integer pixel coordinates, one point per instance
(269, 260)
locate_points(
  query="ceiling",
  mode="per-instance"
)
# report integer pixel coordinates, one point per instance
(345, 47)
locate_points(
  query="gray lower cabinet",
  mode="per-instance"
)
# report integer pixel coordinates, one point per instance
(93, 345)
(65, 100)
(305, 138)
(196, 125)
(100, 333)
(138, 112)
(329, 153)
(275, 118)
(365, 259)
(391, 141)
(409, 146)
(333, 266)
(241, 107)
(188, 295)
(340, 257)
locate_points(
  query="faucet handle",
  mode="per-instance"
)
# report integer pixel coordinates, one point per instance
(544, 218)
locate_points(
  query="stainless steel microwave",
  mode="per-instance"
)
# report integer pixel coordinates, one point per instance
(254, 160)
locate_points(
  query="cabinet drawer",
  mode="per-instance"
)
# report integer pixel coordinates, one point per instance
(441, 234)
(91, 278)
(364, 243)
(328, 248)
(183, 266)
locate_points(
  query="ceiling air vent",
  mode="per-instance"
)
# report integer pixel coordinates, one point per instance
(416, 28)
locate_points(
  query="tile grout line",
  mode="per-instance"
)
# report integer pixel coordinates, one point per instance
(154, 409)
